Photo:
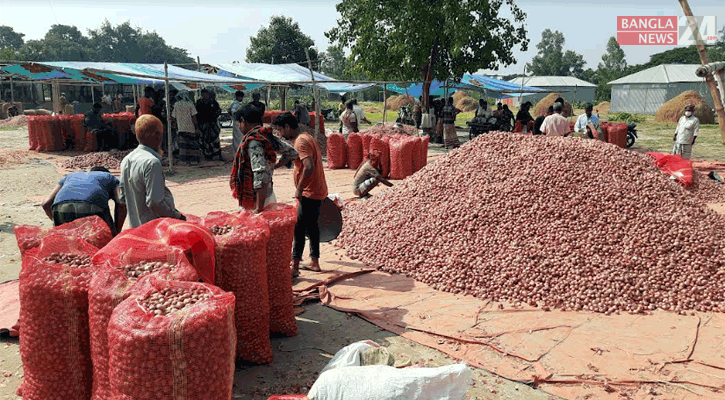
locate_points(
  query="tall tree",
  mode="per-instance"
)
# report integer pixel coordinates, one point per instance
(282, 42)
(67, 43)
(551, 58)
(124, 43)
(613, 66)
(334, 63)
(9, 39)
(33, 50)
(428, 39)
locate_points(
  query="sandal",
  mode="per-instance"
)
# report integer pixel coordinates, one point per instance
(307, 268)
(295, 274)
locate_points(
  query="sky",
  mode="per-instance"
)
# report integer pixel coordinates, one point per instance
(219, 31)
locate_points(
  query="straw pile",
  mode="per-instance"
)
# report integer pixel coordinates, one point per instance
(547, 101)
(603, 107)
(395, 102)
(675, 108)
(464, 102)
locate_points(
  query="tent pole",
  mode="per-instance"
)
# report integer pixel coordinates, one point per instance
(169, 146)
(385, 100)
(317, 95)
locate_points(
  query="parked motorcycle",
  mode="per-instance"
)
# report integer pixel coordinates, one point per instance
(631, 134)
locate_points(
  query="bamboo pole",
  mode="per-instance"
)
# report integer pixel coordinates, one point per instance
(12, 91)
(316, 91)
(703, 58)
(385, 101)
(169, 144)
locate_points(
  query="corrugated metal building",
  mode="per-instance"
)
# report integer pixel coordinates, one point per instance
(571, 88)
(646, 91)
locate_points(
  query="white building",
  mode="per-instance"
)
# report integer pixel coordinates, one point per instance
(570, 88)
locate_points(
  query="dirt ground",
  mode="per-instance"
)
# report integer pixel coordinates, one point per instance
(28, 176)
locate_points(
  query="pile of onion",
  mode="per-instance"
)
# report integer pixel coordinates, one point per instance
(549, 222)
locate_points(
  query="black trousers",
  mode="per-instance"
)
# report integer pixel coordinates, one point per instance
(308, 214)
(66, 212)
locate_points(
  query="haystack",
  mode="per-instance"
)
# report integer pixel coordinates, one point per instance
(675, 108)
(543, 105)
(464, 102)
(395, 102)
(603, 107)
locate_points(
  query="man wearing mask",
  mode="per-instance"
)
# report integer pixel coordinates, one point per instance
(236, 105)
(255, 102)
(686, 133)
(143, 185)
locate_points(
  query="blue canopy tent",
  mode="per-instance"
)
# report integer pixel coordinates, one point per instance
(491, 86)
(280, 74)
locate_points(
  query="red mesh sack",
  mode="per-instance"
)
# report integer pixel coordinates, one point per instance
(112, 283)
(241, 268)
(366, 139)
(416, 156)
(354, 150)
(617, 135)
(56, 134)
(45, 140)
(79, 132)
(336, 151)
(381, 145)
(675, 166)
(55, 347)
(186, 354)
(282, 219)
(313, 118)
(91, 143)
(91, 229)
(401, 149)
(66, 129)
(33, 133)
(288, 397)
(269, 116)
(424, 142)
(195, 240)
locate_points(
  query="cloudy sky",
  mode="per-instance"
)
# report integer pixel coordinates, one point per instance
(219, 31)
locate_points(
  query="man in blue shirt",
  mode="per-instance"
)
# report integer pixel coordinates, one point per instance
(82, 194)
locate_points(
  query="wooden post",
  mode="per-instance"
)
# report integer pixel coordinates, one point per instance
(385, 101)
(717, 69)
(316, 91)
(12, 90)
(55, 95)
(169, 143)
(133, 88)
(703, 58)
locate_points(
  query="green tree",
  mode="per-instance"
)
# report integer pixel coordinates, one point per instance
(282, 42)
(33, 50)
(124, 43)
(551, 60)
(613, 66)
(66, 43)
(428, 39)
(334, 63)
(9, 39)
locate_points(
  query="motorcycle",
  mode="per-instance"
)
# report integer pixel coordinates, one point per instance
(226, 120)
(405, 117)
(631, 134)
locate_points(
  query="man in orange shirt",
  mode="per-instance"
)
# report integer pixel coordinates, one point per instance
(309, 178)
(146, 103)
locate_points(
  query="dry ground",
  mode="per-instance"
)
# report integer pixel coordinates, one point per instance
(28, 176)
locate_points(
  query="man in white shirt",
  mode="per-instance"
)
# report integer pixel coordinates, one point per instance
(556, 124)
(587, 120)
(359, 113)
(686, 133)
(143, 185)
